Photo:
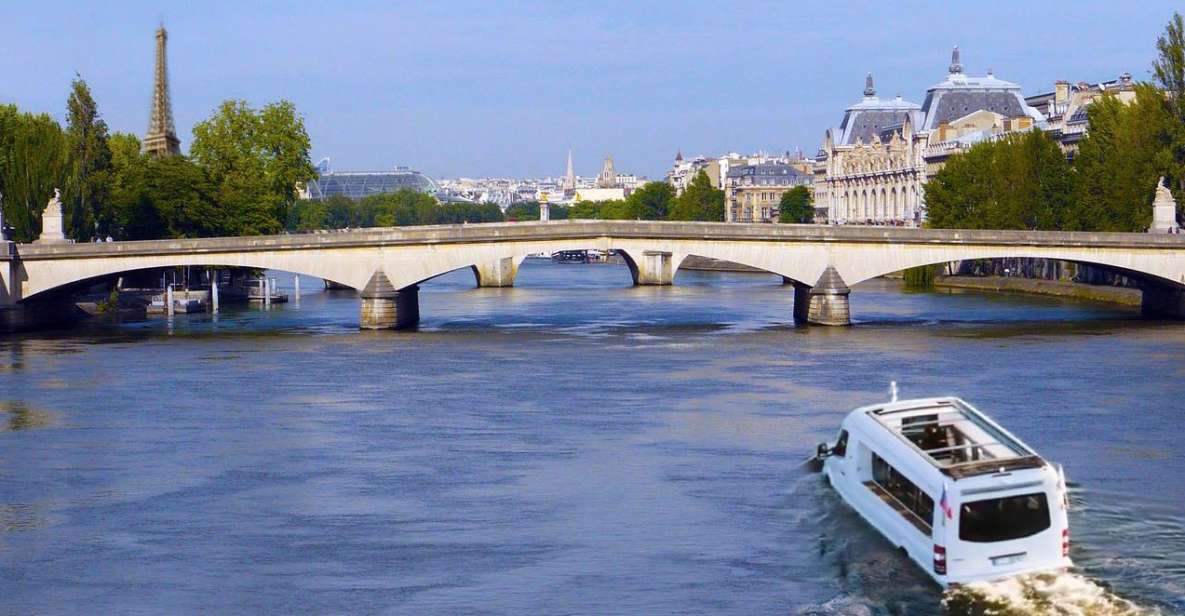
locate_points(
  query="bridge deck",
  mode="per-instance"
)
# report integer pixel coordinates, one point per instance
(582, 229)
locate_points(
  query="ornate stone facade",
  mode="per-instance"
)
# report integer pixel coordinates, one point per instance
(870, 170)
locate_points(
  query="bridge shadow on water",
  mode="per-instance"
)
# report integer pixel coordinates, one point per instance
(599, 300)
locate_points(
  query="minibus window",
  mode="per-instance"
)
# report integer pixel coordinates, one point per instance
(902, 494)
(925, 507)
(1003, 519)
(841, 444)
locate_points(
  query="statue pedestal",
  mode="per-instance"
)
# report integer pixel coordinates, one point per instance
(1164, 211)
(51, 222)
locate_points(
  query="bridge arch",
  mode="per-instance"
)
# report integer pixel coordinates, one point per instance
(1152, 269)
(37, 279)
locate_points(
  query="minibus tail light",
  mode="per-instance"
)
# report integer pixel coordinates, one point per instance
(939, 559)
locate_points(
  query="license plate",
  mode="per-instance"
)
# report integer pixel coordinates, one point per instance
(1007, 559)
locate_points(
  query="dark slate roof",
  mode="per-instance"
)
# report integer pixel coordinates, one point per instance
(769, 174)
(948, 106)
(865, 124)
(887, 132)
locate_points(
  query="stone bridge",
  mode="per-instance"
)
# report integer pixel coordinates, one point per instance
(387, 265)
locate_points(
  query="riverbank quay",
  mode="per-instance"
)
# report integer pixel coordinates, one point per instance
(1126, 296)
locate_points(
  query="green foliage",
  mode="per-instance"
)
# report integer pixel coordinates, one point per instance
(796, 206)
(586, 210)
(160, 197)
(650, 201)
(109, 303)
(529, 210)
(1169, 69)
(1119, 161)
(920, 278)
(255, 160)
(615, 209)
(699, 202)
(183, 198)
(86, 204)
(403, 208)
(242, 179)
(33, 162)
(1018, 182)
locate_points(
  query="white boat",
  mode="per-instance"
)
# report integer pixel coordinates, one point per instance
(967, 500)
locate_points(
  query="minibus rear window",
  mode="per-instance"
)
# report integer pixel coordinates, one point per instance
(1003, 519)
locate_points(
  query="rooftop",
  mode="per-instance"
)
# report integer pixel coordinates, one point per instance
(959, 94)
(954, 437)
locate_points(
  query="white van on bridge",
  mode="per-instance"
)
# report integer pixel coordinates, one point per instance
(963, 497)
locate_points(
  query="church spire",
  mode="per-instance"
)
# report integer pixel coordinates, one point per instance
(956, 67)
(869, 89)
(570, 175)
(161, 139)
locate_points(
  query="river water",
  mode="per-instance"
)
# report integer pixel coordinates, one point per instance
(569, 446)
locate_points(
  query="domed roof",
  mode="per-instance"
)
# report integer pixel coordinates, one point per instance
(872, 114)
(960, 94)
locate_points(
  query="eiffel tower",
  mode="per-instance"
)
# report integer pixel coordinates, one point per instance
(161, 139)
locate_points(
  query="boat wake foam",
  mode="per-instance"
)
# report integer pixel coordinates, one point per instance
(1044, 594)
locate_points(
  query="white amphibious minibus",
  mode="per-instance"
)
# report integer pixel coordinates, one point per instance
(966, 499)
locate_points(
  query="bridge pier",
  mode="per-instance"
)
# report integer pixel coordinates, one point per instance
(1163, 301)
(497, 273)
(826, 303)
(385, 307)
(654, 268)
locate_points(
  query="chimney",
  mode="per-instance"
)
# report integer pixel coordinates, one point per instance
(1061, 91)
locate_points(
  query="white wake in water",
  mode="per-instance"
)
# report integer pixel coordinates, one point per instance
(1064, 594)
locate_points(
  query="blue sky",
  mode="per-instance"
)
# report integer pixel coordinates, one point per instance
(475, 88)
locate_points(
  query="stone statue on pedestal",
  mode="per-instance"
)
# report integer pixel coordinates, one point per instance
(51, 221)
(1164, 211)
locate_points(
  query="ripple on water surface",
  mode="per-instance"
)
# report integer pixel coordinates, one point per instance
(571, 445)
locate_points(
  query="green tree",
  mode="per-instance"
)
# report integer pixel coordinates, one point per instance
(134, 215)
(523, 211)
(615, 209)
(255, 159)
(183, 199)
(1119, 161)
(699, 202)
(796, 206)
(1169, 69)
(651, 201)
(87, 208)
(33, 162)
(340, 213)
(1018, 182)
(586, 210)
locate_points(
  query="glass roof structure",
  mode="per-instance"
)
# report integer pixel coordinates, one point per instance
(357, 185)
(956, 438)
